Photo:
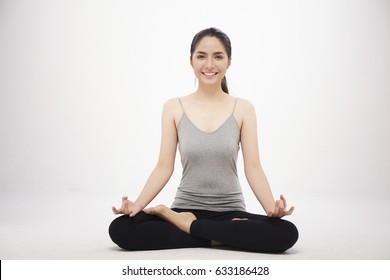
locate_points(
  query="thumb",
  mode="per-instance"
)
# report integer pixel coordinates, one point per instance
(133, 213)
(114, 210)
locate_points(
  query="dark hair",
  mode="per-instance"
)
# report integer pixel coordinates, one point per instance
(214, 32)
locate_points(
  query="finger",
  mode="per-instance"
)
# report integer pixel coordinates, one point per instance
(133, 213)
(289, 212)
(124, 198)
(116, 211)
(277, 207)
(284, 200)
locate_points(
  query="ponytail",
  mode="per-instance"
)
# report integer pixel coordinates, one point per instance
(224, 85)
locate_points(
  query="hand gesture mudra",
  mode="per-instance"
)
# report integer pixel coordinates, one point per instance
(127, 208)
(280, 208)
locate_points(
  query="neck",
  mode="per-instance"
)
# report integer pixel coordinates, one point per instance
(210, 91)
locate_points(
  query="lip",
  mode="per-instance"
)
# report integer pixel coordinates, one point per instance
(209, 74)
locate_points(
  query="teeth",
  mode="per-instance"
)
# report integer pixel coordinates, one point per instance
(209, 74)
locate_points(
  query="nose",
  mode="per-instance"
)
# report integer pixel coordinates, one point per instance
(210, 63)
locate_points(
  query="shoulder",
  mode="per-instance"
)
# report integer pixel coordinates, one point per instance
(244, 108)
(173, 110)
(176, 104)
(244, 113)
(244, 103)
(172, 105)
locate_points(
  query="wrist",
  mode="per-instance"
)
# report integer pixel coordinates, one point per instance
(139, 204)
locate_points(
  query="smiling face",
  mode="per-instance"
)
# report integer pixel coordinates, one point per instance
(210, 61)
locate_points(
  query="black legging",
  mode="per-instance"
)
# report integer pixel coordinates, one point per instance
(258, 234)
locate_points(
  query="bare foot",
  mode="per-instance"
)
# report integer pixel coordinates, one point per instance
(215, 243)
(182, 220)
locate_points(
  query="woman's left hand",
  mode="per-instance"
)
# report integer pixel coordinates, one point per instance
(280, 208)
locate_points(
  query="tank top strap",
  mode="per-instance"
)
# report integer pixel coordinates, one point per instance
(234, 106)
(181, 104)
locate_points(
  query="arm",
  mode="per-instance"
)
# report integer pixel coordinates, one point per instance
(163, 169)
(252, 166)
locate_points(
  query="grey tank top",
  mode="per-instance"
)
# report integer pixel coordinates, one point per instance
(209, 180)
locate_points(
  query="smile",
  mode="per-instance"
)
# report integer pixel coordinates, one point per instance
(209, 74)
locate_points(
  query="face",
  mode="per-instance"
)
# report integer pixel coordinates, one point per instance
(210, 61)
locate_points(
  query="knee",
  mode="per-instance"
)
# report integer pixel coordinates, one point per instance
(126, 231)
(289, 236)
(117, 230)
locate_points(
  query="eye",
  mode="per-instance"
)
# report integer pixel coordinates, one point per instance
(219, 57)
(200, 56)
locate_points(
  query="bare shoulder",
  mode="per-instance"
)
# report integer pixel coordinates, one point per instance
(171, 106)
(244, 108)
(244, 112)
(172, 110)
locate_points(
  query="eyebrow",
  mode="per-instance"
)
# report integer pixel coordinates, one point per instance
(200, 52)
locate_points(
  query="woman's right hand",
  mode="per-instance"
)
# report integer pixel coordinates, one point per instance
(127, 208)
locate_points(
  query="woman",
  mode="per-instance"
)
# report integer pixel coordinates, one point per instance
(208, 210)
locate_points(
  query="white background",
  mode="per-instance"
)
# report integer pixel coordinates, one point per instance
(82, 84)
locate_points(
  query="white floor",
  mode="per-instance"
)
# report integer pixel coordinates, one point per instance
(73, 225)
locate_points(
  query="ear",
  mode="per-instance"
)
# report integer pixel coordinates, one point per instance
(191, 61)
(229, 62)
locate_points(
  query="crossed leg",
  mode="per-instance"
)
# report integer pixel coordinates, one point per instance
(163, 228)
(241, 230)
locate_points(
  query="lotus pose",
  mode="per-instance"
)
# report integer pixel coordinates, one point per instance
(208, 127)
